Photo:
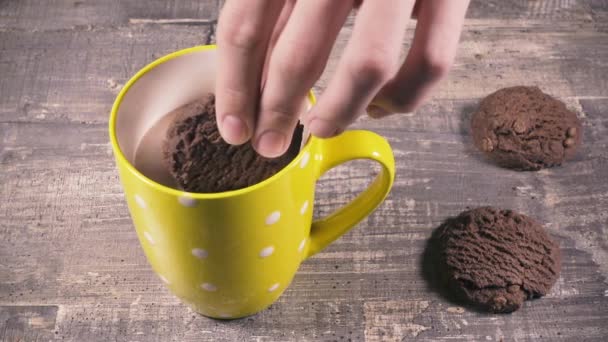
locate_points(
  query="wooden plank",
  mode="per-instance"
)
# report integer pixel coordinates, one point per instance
(169, 322)
(564, 59)
(36, 15)
(330, 320)
(65, 219)
(563, 10)
(27, 323)
(75, 75)
(520, 9)
(38, 85)
(65, 14)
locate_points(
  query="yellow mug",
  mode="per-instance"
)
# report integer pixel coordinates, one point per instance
(231, 254)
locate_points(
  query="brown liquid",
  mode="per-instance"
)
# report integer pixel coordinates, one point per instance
(149, 153)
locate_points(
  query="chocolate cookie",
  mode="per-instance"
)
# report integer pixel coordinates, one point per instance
(201, 161)
(523, 128)
(497, 258)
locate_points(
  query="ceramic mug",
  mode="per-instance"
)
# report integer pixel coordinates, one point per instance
(231, 254)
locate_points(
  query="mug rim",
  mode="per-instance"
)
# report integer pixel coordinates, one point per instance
(121, 159)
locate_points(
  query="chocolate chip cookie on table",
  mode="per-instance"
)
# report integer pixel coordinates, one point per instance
(201, 161)
(522, 128)
(497, 259)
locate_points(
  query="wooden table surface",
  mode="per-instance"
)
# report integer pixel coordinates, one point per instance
(70, 264)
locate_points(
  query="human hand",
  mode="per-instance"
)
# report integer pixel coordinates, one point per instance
(271, 52)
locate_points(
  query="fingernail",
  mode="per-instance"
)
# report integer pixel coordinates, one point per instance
(234, 130)
(271, 144)
(323, 128)
(376, 112)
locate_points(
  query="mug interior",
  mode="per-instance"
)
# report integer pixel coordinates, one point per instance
(164, 87)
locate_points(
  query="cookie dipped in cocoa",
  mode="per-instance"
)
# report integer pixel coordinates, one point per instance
(201, 161)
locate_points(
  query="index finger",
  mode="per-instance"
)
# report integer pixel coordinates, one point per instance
(243, 32)
(369, 60)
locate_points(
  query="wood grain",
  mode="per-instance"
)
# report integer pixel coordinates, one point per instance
(492, 55)
(75, 75)
(70, 265)
(36, 15)
(499, 53)
(27, 323)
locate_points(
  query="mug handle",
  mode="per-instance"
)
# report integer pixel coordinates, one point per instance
(350, 145)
